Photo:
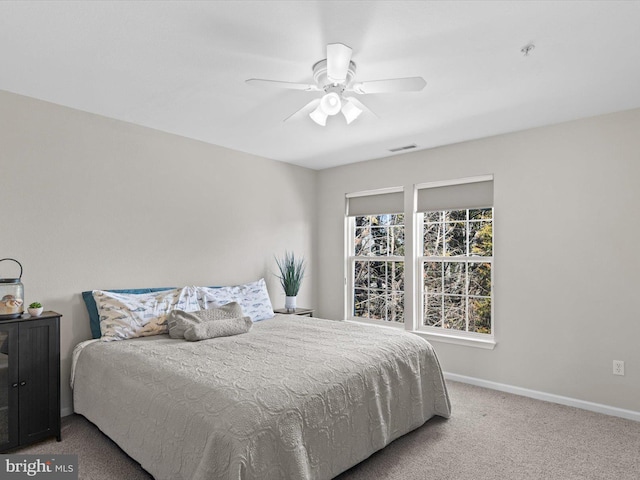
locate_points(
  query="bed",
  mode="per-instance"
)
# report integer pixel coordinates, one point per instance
(294, 398)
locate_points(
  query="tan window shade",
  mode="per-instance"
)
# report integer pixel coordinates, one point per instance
(458, 196)
(375, 204)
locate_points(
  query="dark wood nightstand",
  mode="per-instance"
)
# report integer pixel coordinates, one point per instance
(30, 373)
(305, 312)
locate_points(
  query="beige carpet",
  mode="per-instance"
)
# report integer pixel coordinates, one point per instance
(491, 435)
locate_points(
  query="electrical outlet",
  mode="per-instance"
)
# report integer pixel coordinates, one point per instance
(618, 367)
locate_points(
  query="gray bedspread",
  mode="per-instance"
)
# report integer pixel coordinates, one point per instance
(294, 398)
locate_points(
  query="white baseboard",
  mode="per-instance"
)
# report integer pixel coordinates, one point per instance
(548, 397)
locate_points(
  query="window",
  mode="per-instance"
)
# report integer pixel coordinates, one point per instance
(376, 249)
(378, 267)
(455, 223)
(425, 265)
(456, 269)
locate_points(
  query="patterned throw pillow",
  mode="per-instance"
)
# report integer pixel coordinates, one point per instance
(179, 321)
(124, 316)
(253, 298)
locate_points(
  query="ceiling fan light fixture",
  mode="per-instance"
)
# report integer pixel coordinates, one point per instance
(350, 111)
(319, 116)
(330, 103)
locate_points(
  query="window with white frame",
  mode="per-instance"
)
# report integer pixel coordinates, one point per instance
(376, 249)
(455, 222)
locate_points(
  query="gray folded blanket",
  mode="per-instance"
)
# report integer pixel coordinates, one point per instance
(214, 322)
(218, 328)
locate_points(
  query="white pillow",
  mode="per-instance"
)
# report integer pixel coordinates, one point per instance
(253, 298)
(126, 315)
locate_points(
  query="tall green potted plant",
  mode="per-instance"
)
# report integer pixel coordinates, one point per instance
(291, 274)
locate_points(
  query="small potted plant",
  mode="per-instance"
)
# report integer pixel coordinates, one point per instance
(291, 274)
(35, 309)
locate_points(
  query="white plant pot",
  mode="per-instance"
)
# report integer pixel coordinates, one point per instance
(35, 312)
(290, 303)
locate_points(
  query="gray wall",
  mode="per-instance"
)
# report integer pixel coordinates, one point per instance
(566, 252)
(93, 203)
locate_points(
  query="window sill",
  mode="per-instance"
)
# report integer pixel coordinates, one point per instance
(467, 341)
(377, 323)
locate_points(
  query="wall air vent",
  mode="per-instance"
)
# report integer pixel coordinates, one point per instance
(401, 149)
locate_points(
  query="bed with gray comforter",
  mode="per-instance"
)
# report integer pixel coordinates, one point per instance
(294, 398)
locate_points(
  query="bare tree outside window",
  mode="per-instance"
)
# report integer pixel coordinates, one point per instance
(457, 262)
(378, 267)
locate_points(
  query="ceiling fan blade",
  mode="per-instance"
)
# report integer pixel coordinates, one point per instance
(304, 110)
(278, 84)
(361, 105)
(410, 84)
(338, 58)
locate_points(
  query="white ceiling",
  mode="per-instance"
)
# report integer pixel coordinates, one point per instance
(180, 67)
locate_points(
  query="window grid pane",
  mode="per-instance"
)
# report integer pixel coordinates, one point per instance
(378, 289)
(378, 280)
(456, 283)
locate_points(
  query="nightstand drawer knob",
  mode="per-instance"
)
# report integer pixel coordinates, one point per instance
(14, 385)
(22, 384)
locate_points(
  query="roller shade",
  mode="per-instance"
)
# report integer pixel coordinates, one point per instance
(469, 193)
(375, 203)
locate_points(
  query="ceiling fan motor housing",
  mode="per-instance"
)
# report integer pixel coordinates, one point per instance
(323, 81)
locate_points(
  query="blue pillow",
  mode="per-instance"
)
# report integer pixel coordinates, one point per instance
(92, 308)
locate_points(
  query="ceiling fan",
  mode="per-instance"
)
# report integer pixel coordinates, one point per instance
(334, 76)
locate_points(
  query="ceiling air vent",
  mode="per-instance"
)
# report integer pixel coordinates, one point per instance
(400, 149)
